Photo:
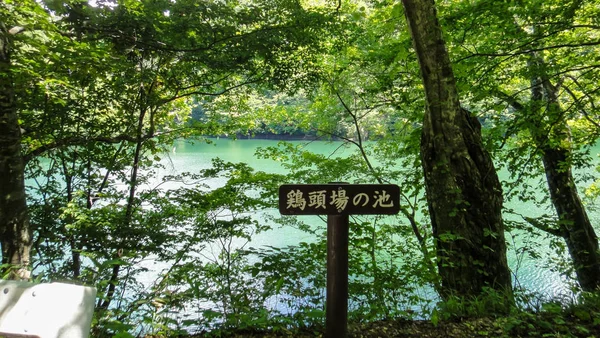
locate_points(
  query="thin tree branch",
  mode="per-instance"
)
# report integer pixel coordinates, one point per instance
(161, 46)
(545, 227)
(360, 146)
(579, 105)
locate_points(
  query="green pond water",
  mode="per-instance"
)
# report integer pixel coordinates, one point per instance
(529, 273)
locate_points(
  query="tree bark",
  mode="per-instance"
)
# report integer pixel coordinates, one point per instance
(553, 137)
(580, 237)
(14, 221)
(463, 191)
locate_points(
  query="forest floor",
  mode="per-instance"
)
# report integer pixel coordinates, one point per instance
(518, 326)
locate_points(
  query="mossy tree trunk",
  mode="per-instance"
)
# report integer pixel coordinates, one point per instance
(462, 186)
(15, 231)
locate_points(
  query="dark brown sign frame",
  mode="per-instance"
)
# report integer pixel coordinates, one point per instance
(339, 199)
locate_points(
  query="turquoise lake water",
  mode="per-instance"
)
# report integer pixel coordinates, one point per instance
(528, 272)
(531, 274)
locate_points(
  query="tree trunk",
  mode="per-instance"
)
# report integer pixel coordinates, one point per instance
(573, 219)
(14, 221)
(130, 208)
(553, 137)
(463, 191)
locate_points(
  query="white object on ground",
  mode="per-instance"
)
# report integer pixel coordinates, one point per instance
(53, 310)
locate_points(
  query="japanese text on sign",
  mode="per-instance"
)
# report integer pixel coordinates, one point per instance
(332, 199)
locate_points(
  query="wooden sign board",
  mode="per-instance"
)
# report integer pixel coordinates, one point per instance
(339, 199)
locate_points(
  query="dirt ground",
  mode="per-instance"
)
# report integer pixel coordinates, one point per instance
(531, 326)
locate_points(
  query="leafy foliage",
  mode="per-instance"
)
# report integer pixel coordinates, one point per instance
(104, 90)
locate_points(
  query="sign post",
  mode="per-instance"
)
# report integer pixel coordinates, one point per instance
(337, 201)
(336, 302)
